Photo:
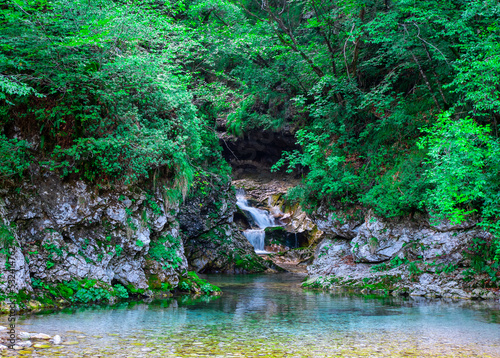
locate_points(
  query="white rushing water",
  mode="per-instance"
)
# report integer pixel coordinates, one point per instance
(261, 218)
(257, 239)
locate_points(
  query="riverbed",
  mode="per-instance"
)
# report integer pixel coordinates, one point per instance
(272, 316)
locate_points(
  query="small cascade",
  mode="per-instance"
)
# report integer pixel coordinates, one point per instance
(261, 219)
(256, 238)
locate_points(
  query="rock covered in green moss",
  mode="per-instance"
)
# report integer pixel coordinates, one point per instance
(69, 231)
(428, 260)
(211, 240)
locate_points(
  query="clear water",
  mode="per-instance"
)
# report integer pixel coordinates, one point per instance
(271, 316)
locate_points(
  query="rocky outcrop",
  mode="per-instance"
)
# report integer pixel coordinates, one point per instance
(70, 231)
(62, 231)
(212, 241)
(411, 255)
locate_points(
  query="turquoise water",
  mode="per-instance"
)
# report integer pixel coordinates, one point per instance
(271, 316)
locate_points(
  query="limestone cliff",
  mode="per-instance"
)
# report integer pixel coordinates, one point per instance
(71, 231)
(402, 255)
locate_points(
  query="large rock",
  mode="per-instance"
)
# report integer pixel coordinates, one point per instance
(379, 239)
(212, 241)
(339, 223)
(424, 258)
(223, 249)
(67, 230)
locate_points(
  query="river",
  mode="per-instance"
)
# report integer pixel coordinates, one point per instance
(271, 316)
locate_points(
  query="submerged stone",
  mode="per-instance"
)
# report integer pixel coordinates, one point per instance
(41, 345)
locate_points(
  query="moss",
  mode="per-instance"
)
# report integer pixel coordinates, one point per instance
(135, 291)
(192, 283)
(249, 263)
(167, 256)
(154, 282)
(65, 291)
(274, 228)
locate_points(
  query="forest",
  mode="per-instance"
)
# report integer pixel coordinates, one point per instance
(394, 103)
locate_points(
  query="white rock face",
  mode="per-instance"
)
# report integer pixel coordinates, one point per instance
(338, 223)
(72, 231)
(19, 270)
(353, 247)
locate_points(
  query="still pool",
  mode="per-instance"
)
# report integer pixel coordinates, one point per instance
(271, 316)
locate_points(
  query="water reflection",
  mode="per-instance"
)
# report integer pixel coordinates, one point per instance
(272, 315)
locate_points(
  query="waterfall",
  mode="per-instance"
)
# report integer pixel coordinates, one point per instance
(256, 238)
(260, 218)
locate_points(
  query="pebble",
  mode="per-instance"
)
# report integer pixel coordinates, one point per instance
(41, 336)
(24, 335)
(70, 343)
(3, 328)
(3, 347)
(17, 347)
(25, 344)
(41, 345)
(147, 349)
(56, 339)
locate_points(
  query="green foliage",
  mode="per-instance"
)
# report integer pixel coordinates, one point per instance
(481, 253)
(120, 291)
(458, 154)
(15, 158)
(52, 248)
(197, 285)
(398, 191)
(7, 241)
(379, 267)
(393, 263)
(83, 291)
(463, 166)
(164, 250)
(118, 250)
(413, 269)
(106, 109)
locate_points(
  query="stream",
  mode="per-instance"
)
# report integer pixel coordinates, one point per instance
(272, 316)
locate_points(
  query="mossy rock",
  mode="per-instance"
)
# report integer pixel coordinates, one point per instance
(193, 283)
(154, 282)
